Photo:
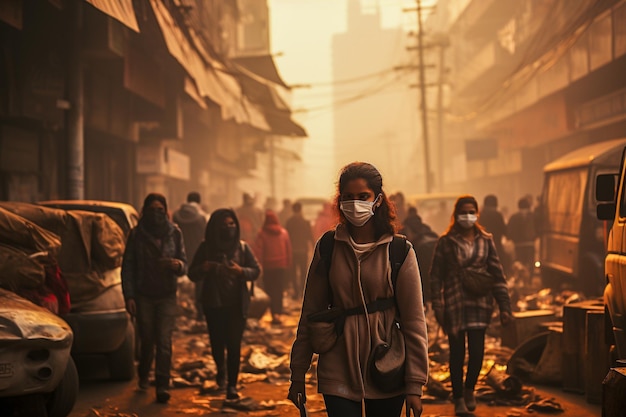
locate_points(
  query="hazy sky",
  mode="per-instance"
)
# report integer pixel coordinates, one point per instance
(301, 30)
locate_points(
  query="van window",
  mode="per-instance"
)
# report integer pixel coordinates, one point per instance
(622, 205)
(565, 192)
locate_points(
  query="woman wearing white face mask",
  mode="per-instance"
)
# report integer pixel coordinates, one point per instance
(359, 274)
(460, 312)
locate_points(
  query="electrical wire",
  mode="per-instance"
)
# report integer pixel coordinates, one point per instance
(533, 62)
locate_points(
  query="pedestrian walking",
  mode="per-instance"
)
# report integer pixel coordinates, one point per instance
(493, 222)
(355, 276)
(459, 309)
(225, 265)
(191, 220)
(521, 230)
(424, 240)
(301, 237)
(285, 212)
(250, 218)
(273, 249)
(153, 259)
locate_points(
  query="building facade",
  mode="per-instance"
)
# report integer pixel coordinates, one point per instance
(112, 100)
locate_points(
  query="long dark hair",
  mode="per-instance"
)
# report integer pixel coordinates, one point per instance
(464, 199)
(385, 214)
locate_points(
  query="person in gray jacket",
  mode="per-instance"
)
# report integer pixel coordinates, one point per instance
(153, 259)
(192, 220)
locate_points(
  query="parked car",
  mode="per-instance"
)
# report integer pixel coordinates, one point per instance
(37, 372)
(611, 195)
(572, 239)
(123, 214)
(98, 316)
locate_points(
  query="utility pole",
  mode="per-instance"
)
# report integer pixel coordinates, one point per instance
(422, 89)
(443, 44)
(75, 116)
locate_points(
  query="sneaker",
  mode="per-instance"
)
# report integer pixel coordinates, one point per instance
(232, 394)
(144, 383)
(162, 395)
(470, 399)
(460, 409)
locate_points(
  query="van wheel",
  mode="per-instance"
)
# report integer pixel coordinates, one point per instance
(63, 398)
(122, 361)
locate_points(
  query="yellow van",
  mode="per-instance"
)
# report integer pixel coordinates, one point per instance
(611, 195)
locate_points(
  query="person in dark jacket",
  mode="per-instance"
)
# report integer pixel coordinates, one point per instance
(521, 230)
(424, 240)
(153, 259)
(493, 222)
(225, 264)
(192, 221)
(302, 243)
(466, 245)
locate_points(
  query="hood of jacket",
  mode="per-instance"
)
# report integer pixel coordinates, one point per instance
(189, 213)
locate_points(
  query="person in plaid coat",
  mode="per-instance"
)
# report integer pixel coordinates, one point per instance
(459, 313)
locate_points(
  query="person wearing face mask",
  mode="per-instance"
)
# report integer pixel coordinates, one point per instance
(359, 274)
(225, 265)
(461, 314)
(153, 259)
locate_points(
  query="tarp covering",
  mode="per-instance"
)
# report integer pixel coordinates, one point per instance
(25, 235)
(120, 10)
(91, 245)
(262, 65)
(211, 79)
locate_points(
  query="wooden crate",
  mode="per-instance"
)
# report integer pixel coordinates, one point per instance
(573, 346)
(614, 393)
(596, 356)
(524, 325)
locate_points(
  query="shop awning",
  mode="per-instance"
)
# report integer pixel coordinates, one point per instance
(121, 10)
(210, 79)
(262, 65)
(265, 94)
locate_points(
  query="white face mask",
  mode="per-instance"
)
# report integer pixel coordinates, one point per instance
(358, 212)
(466, 220)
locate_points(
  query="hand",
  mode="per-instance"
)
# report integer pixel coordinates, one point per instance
(297, 387)
(414, 402)
(171, 264)
(131, 307)
(234, 269)
(505, 318)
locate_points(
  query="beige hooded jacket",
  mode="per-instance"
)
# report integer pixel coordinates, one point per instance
(343, 371)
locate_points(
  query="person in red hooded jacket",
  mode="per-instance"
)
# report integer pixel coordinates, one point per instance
(273, 250)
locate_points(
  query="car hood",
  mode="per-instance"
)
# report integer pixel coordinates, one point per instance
(22, 320)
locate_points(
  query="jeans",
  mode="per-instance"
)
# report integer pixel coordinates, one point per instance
(299, 267)
(342, 407)
(156, 319)
(226, 326)
(476, 351)
(273, 280)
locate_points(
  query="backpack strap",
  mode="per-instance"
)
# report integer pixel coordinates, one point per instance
(326, 246)
(398, 250)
